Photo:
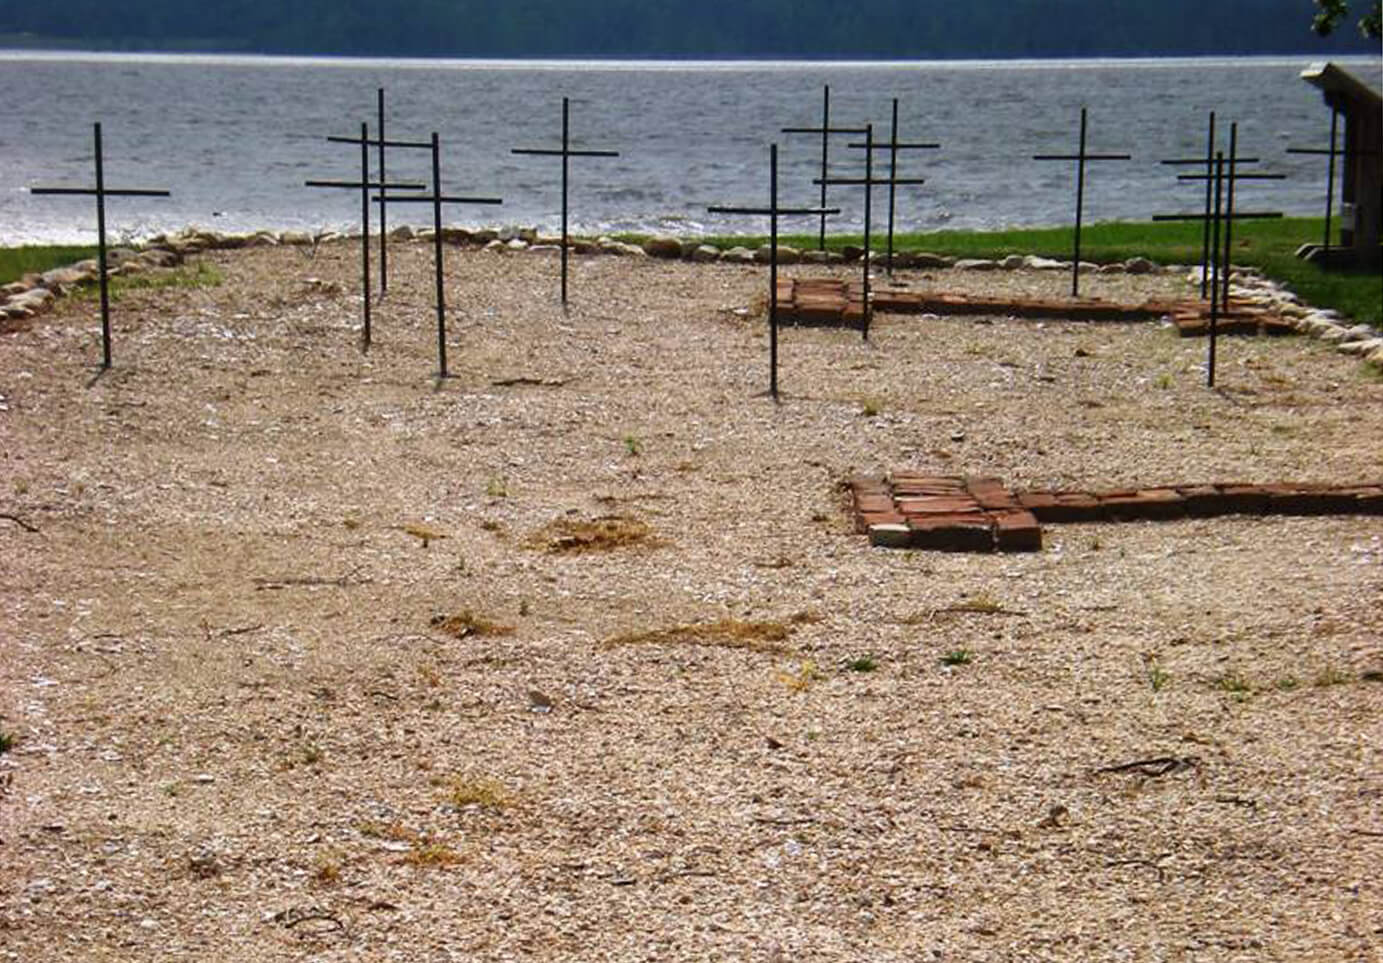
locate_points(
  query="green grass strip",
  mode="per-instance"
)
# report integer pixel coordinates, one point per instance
(15, 262)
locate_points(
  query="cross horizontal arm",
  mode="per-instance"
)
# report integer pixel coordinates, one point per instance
(1237, 216)
(887, 145)
(1082, 157)
(870, 181)
(1201, 161)
(1237, 177)
(372, 185)
(375, 142)
(107, 191)
(445, 199)
(558, 152)
(825, 130)
(1338, 152)
(772, 212)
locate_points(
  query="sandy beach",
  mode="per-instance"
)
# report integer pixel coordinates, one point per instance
(576, 654)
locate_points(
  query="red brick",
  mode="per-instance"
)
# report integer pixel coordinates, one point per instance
(1206, 501)
(937, 505)
(1148, 503)
(1244, 499)
(1075, 507)
(864, 520)
(953, 533)
(1038, 503)
(1017, 531)
(870, 502)
(1368, 499)
(1306, 500)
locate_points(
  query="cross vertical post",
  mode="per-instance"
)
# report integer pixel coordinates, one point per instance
(566, 153)
(365, 223)
(436, 198)
(364, 185)
(1209, 186)
(1081, 158)
(101, 248)
(101, 192)
(825, 156)
(773, 212)
(383, 204)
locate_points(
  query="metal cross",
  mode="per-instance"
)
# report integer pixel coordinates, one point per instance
(825, 130)
(566, 153)
(1081, 158)
(773, 212)
(364, 186)
(869, 182)
(101, 192)
(1333, 152)
(1224, 176)
(437, 199)
(893, 147)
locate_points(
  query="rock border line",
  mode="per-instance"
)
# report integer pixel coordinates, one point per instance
(1254, 294)
(955, 513)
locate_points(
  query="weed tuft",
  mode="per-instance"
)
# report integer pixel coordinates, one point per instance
(726, 633)
(863, 663)
(572, 536)
(802, 679)
(467, 623)
(958, 657)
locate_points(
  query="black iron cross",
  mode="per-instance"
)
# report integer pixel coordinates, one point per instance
(382, 198)
(566, 153)
(437, 199)
(869, 182)
(825, 130)
(1081, 158)
(1224, 177)
(893, 147)
(1332, 152)
(364, 186)
(773, 212)
(101, 192)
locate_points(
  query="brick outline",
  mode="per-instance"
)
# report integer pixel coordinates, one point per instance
(954, 513)
(831, 302)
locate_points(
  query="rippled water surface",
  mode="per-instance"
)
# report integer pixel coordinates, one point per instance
(234, 138)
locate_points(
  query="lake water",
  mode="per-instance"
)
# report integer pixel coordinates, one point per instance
(234, 138)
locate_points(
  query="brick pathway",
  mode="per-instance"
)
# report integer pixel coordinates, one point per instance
(828, 301)
(955, 514)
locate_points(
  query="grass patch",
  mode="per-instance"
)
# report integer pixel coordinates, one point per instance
(1236, 686)
(726, 633)
(863, 663)
(801, 680)
(15, 262)
(192, 277)
(958, 657)
(1332, 676)
(464, 791)
(467, 623)
(572, 536)
(432, 854)
(7, 742)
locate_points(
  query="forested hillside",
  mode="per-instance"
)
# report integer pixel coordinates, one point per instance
(905, 29)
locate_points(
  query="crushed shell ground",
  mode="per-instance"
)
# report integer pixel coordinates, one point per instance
(575, 655)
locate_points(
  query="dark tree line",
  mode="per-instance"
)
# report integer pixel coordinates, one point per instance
(903, 29)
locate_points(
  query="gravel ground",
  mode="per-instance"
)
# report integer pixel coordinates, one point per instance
(575, 655)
